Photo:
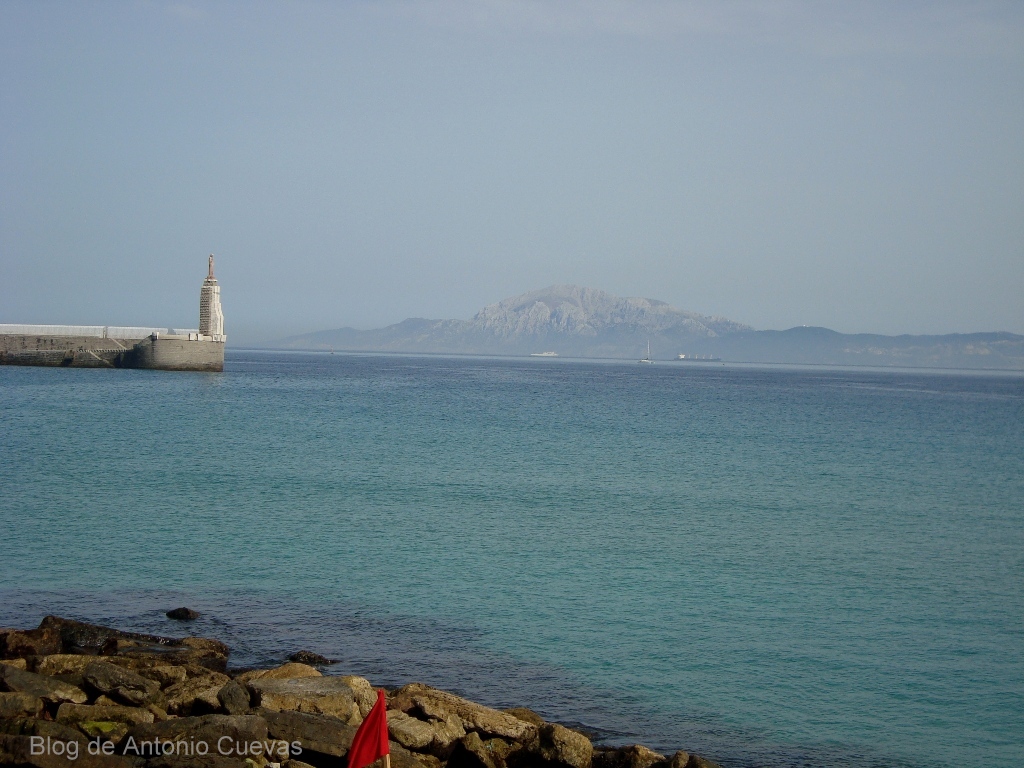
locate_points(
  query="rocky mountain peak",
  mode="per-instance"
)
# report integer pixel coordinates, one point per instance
(584, 311)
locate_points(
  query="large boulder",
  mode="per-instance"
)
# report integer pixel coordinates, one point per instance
(440, 705)
(633, 756)
(310, 658)
(56, 635)
(121, 684)
(23, 644)
(182, 614)
(562, 747)
(408, 731)
(471, 752)
(73, 714)
(196, 695)
(315, 695)
(526, 715)
(80, 637)
(363, 692)
(436, 737)
(313, 733)
(680, 759)
(63, 664)
(212, 760)
(323, 735)
(22, 751)
(233, 698)
(287, 671)
(48, 689)
(165, 675)
(696, 761)
(20, 705)
(45, 728)
(223, 735)
(42, 743)
(197, 651)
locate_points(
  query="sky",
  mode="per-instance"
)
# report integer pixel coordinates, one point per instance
(858, 166)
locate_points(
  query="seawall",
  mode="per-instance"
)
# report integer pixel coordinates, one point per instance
(177, 353)
(168, 353)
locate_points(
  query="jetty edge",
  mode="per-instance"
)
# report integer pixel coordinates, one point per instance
(84, 695)
(104, 346)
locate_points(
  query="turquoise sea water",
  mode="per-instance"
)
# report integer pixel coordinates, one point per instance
(767, 566)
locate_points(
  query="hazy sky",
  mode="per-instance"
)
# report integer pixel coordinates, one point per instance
(854, 165)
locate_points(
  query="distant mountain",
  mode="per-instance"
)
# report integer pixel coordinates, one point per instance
(589, 313)
(584, 322)
(573, 321)
(821, 346)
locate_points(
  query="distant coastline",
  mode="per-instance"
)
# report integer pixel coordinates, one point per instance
(571, 321)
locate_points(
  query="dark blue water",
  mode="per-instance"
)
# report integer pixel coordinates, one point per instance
(769, 567)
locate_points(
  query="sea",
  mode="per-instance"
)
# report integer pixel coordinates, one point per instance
(767, 566)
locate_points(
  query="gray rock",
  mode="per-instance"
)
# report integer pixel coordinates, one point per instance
(446, 733)
(284, 672)
(633, 756)
(183, 614)
(63, 664)
(364, 693)
(310, 658)
(195, 695)
(56, 635)
(208, 729)
(315, 695)
(79, 637)
(679, 760)
(325, 735)
(17, 750)
(46, 688)
(22, 644)
(20, 705)
(44, 728)
(165, 675)
(189, 651)
(441, 705)
(208, 703)
(315, 733)
(234, 698)
(212, 760)
(73, 714)
(470, 752)
(563, 747)
(410, 732)
(121, 684)
(526, 715)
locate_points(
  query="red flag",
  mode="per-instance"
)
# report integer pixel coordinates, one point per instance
(371, 740)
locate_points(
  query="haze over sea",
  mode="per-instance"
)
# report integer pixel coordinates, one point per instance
(766, 566)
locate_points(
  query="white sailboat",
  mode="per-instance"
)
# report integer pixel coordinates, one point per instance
(648, 358)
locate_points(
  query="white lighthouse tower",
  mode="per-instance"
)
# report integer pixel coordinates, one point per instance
(211, 317)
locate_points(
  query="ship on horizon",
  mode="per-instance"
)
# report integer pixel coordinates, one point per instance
(699, 359)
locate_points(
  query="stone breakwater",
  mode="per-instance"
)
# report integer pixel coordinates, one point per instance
(75, 694)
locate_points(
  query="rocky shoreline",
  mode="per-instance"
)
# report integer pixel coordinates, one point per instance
(80, 694)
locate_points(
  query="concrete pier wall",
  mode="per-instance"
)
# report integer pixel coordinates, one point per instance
(176, 353)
